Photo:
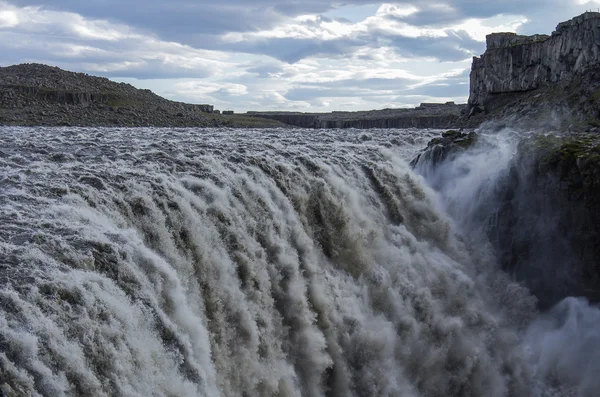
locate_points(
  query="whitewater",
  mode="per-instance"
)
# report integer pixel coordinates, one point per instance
(286, 262)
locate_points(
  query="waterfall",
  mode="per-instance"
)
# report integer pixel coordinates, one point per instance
(496, 195)
(215, 262)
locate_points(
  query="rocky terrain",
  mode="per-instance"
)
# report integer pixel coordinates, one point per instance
(427, 115)
(34, 94)
(541, 79)
(536, 81)
(543, 213)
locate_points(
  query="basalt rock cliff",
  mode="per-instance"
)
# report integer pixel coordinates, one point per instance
(541, 77)
(542, 215)
(35, 94)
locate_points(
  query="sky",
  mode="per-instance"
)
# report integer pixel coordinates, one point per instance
(294, 55)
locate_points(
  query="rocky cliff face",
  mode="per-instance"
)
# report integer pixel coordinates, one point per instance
(541, 213)
(34, 94)
(513, 63)
(547, 229)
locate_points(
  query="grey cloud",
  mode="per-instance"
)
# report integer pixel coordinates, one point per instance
(201, 23)
(452, 86)
(371, 87)
(441, 90)
(177, 18)
(21, 47)
(430, 17)
(368, 83)
(292, 50)
(458, 45)
(440, 13)
(542, 15)
(156, 70)
(312, 93)
(265, 71)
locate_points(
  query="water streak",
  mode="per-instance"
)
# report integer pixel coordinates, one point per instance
(141, 262)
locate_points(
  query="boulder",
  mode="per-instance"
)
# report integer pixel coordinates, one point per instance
(440, 149)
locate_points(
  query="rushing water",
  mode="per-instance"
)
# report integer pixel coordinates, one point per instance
(160, 262)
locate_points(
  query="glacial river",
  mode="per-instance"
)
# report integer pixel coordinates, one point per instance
(215, 262)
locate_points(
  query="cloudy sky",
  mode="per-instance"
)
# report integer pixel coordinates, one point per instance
(304, 55)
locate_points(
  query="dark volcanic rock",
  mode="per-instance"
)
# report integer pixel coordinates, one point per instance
(515, 63)
(542, 215)
(439, 149)
(34, 94)
(428, 115)
(540, 78)
(547, 228)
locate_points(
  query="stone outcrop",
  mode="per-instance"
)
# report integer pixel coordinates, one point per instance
(451, 143)
(513, 63)
(427, 115)
(542, 215)
(34, 94)
(546, 228)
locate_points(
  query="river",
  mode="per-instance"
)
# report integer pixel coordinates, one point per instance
(219, 262)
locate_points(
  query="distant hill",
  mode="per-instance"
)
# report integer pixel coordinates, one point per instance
(35, 94)
(427, 115)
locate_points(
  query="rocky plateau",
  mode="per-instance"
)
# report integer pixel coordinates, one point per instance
(41, 95)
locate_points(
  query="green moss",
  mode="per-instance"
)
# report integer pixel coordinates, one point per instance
(594, 123)
(466, 142)
(575, 160)
(542, 147)
(451, 134)
(594, 158)
(595, 96)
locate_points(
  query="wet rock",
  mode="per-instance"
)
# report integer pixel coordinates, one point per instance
(547, 228)
(440, 149)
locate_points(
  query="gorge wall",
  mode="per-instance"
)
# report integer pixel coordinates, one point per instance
(534, 195)
(426, 115)
(540, 81)
(514, 63)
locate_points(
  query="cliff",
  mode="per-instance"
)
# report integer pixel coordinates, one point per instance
(35, 94)
(542, 214)
(513, 63)
(541, 77)
(427, 115)
(548, 220)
